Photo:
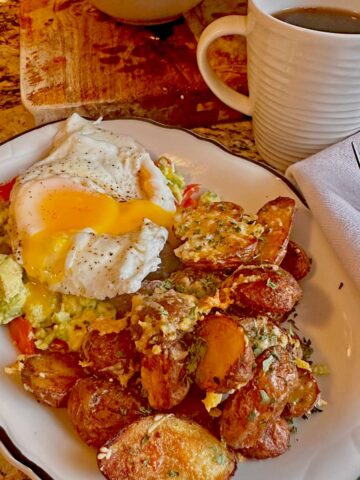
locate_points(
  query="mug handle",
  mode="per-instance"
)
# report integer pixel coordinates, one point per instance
(229, 25)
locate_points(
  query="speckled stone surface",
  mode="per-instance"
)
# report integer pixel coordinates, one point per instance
(14, 119)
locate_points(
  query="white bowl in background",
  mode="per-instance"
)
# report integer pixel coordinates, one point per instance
(144, 12)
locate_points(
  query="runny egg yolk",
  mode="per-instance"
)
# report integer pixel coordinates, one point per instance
(65, 212)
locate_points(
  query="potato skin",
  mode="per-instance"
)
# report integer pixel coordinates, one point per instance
(112, 354)
(274, 441)
(164, 446)
(296, 261)
(249, 411)
(261, 289)
(303, 398)
(214, 236)
(277, 217)
(164, 377)
(50, 376)
(194, 409)
(228, 358)
(99, 408)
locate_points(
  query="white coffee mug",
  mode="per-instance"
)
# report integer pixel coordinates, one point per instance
(304, 84)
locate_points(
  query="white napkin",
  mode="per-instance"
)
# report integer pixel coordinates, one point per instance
(330, 182)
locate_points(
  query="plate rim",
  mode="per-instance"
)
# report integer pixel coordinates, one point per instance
(218, 144)
(5, 439)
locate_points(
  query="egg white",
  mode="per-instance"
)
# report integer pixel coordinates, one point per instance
(85, 156)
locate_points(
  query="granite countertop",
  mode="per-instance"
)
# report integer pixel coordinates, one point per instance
(15, 119)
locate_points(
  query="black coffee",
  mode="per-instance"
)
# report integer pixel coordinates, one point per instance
(325, 19)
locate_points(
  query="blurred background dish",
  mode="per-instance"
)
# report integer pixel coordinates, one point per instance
(143, 12)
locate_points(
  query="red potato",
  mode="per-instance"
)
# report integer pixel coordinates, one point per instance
(194, 409)
(274, 441)
(162, 447)
(164, 377)
(215, 236)
(296, 261)
(277, 217)
(263, 289)
(249, 411)
(303, 398)
(228, 358)
(99, 408)
(51, 376)
(110, 354)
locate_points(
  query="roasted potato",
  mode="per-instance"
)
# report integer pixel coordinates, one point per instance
(112, 354)
(296, 261)
(303, 398)
(263, 334)
(277, 217)
(248, 412)
(274, 441)
(200, 283)
(164, 446)
(228, 358)
(99, 408)
(194, 409)
(164, 377)
(216, 236)
(162, 317)
(51, 376)
(261, 290)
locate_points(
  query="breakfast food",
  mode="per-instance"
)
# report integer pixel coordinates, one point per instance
(77, 217)
(170, 367)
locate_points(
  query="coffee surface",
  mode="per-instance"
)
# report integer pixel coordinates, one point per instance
(325, 19)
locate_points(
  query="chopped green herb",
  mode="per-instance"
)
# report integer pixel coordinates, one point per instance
(167, 284)
(220, 459)
(146, 461)
(307, 349)
(271, 284)
(252, 415)
(173, 474)
(267, 363)
(196, 352)
(265, 399)
(145, 410)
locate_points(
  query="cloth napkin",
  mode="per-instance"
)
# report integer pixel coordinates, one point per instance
(330, 182)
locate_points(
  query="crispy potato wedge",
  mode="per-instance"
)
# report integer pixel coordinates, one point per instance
(277, 217)
(296, 261)
(99, 408)
(215, 236)
(112, 354)
(274, 441)
(261, 289)
(164, 446)
(303, 398)
(164, 377)
(51, 376)
(249, 411)
(228, 358)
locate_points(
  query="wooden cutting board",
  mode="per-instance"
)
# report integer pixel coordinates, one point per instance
(74, 58)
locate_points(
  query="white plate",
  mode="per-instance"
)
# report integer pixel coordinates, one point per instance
(327, 446)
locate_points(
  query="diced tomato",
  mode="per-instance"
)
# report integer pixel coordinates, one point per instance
(188, 196)
(22, 334)
(5, 189)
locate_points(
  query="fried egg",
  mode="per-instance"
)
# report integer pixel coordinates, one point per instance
(91, 218)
